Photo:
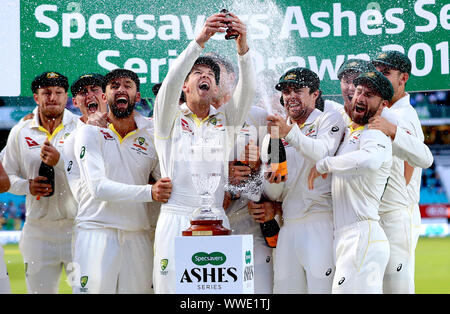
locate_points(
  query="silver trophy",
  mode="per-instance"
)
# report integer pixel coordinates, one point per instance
(206, 166)
(206, 169)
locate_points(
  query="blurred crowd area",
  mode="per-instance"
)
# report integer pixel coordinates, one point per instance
(12, 215)
(432, 190)
(431, 105)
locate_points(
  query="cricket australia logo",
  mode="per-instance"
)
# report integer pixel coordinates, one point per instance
(83, 283)
(140, 145)
(164, 262)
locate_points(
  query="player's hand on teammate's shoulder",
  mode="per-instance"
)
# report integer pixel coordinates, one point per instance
(99, 119)
(380, 123)
(161, 190)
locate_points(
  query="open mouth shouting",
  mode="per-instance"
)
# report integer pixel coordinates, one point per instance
(204, 86)
(122, 101)
(360, 108)
(92, 107)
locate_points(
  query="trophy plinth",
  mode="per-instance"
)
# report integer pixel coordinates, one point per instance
(206, 228)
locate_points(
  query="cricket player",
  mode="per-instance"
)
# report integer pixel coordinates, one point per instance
(360, 171)
(404, 145)
(46, 237)
(175, 126)
(112, 249)
(87, 95)
(400, 214)
(304, 254)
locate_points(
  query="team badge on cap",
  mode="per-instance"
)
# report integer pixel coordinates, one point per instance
(52, 75)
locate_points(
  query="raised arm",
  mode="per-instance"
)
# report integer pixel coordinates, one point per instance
(239, 105)
(325, 143)
(374, 147)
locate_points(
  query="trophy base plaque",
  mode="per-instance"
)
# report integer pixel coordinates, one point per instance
(206, 228)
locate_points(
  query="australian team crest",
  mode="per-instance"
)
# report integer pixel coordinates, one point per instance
(83, 283)
(140, 144)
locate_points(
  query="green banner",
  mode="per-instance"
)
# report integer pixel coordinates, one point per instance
(76, 37)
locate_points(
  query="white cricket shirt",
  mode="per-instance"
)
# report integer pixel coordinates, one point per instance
(114, 172)
(317, 138)
(22, 161)
(175, 125)
(359, 174)
(408, 145)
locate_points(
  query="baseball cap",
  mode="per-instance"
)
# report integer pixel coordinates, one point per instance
(121, 73)
(47, 79)
(355, 66)
(299, 76)
(378, 82)
(393, 59)
(94, 79)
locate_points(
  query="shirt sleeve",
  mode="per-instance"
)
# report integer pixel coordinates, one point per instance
(167, 101)
(410, 148)
(330, 132)
(11, 164)
(375, 148)
(408, 143)
(238, 107)
(88, 152)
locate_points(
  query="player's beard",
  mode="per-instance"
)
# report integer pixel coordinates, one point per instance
(122, 113)
(53, 112)
(363, 120)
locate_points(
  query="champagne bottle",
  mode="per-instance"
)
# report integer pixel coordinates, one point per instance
(270, 230)
(274, 153)
(231, 33)
(48, 172)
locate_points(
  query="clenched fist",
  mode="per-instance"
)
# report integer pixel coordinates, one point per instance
(161, 190)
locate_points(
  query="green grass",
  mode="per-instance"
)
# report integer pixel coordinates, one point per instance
(432, 267)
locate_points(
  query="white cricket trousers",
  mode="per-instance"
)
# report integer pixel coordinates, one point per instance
(172, 222)
(304, 260)
(5, 287)
(402, 228)
(46, 248)
(362, 253)
(110, 261)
